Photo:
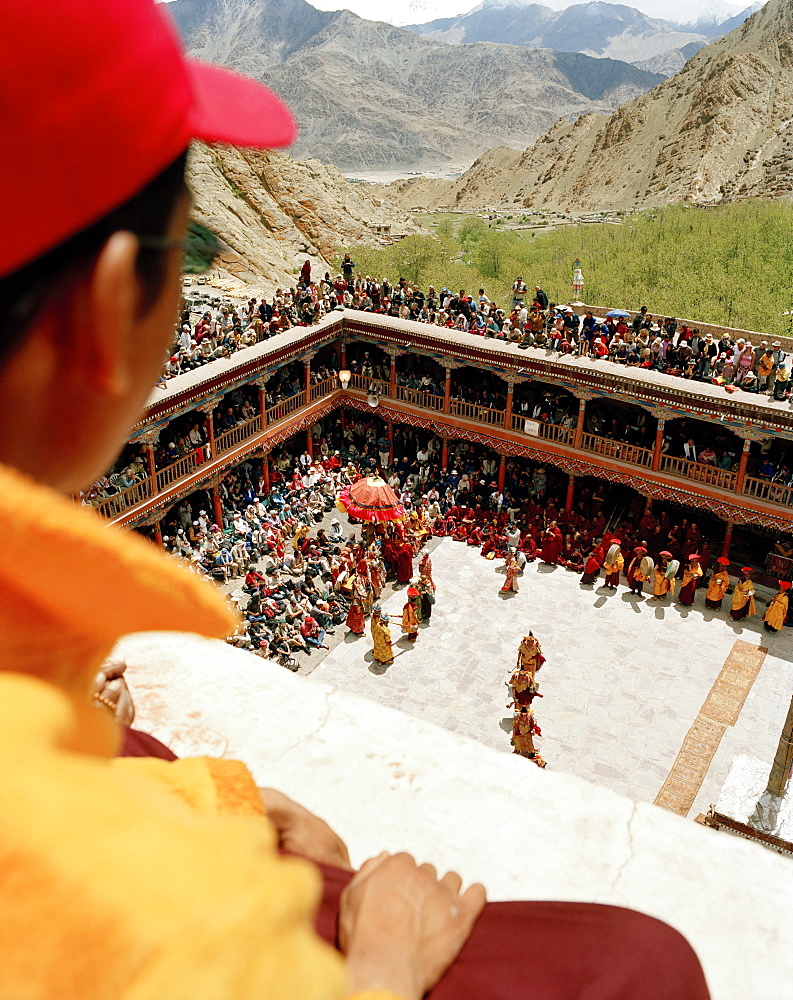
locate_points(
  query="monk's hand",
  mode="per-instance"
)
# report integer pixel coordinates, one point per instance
(301, 832)
(110, 689)
(401, 926)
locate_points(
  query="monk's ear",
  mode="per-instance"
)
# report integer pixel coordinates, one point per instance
(112, 305)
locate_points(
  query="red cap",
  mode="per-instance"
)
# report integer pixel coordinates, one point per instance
(723, 560)
(784, 584)
(97, 99)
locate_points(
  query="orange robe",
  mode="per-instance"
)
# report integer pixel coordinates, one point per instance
(167, 874)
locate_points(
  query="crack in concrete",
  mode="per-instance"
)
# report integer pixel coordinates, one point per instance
(326, 695)
(629, 857)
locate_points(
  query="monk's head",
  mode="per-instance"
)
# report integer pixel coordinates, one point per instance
(94, 211)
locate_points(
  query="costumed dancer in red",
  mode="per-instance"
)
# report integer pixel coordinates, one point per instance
(410, 618)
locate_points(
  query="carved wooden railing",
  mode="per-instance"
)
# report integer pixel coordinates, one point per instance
(550, 432)
(124, 499)
(177, 470)
(327, 385)
(236, 435)
(708, 475)
(592, 444)
(762, 489)
(286, 406)
(365, 383)
(473, 411)
(609, 448)
(426, 400)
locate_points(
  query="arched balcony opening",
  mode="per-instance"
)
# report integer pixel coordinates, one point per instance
(420, 380)
(324, 365)
(769, 472)
(705, 452)
(129, 473)
(544, 411)
(367, 362)
(476, 394)
(619, 430)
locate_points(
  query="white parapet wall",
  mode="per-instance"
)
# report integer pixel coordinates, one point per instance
(388, 781)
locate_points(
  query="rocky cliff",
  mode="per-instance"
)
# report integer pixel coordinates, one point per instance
(368, 95)
(272, 212)
(718, 130)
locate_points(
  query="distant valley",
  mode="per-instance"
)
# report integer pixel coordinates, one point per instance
(719, 130)
(368, 95)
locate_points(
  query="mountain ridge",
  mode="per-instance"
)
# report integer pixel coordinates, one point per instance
(369, 95)
(720, 129)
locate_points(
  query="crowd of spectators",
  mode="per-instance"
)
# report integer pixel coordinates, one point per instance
(656, 343)
(289, 575)
(209, 329)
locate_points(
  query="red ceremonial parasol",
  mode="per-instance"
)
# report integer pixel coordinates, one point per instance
(370, 499)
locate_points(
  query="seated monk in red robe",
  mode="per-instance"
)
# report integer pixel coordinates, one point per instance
(499, 544)
(528, 547)
(462, 532)
(488, 541)
(475, 535)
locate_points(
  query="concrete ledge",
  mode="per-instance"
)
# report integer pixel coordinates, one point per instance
(386, 780)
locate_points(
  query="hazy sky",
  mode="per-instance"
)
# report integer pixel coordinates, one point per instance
(418, 11)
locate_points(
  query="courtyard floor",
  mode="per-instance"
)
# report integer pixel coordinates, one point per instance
(624, 681)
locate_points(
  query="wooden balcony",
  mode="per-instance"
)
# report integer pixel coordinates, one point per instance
(688, 482)
(610, 448)
(511, 434)
(699, 472)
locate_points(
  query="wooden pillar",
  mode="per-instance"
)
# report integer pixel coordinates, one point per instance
(445, 456)
(157, 533)
(568, 504)
(217, 507)
(390, 426)
(659, 443)
(148, 450)
(502, 473)
(579, 427)
(725, 549)
(263, 405)
(740, 475)
(266, 471)
(392, 378)
(309, 442)
(209, 427)
(307, 378)
(447, 391)
(508, 410)
(343, 354)
(783, 761)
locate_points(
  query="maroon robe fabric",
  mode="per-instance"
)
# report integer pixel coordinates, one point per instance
(404, 564)
(556, 951)
(536, 950)
(552, 548)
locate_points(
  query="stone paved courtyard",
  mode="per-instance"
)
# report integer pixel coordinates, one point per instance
(623, 683)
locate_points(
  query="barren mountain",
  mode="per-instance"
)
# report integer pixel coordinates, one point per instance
(718, 130)
(595, 29)
(272, 212)
(369, 95)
